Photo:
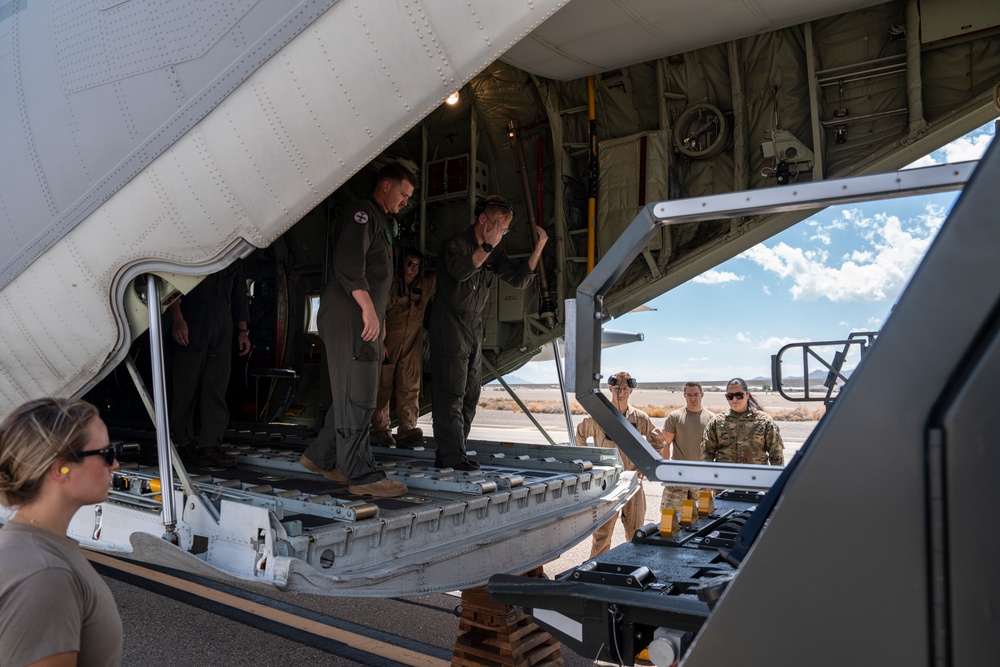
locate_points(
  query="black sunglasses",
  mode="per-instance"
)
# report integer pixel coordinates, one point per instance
(412, 264)
(738, 395)
(109, 453)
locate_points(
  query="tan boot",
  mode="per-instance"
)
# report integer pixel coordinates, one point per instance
(385, 439)
(333, 475)
(384, 488)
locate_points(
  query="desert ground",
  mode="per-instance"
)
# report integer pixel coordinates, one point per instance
(499, 418)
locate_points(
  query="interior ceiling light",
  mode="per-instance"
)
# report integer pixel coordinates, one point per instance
(452, 99)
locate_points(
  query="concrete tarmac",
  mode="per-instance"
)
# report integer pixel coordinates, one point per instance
(164, 625)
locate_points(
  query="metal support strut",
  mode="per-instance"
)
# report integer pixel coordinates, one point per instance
(178, 466)
(517, 399)
(562, 392)
(583, 328)
(160, 409)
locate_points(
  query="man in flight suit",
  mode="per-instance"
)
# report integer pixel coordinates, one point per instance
(634, 511)
(404, 320)
(352, 309)
(202, 328)
(468, 263)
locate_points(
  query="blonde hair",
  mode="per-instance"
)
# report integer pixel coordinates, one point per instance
(33, 437)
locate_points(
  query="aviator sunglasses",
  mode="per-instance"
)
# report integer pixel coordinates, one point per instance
(738, 395)
(109, 453)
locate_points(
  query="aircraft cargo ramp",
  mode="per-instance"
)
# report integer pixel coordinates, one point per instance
(282, 525)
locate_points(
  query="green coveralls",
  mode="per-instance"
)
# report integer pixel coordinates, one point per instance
(201, 368)
(362, 259)
(456, 333)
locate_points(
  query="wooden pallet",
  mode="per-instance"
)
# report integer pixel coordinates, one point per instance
(491, 634)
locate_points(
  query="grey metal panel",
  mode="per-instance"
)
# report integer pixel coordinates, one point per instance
(100, 42)
(967, 601)
(91, 93)
(591, 36)
(842, 571)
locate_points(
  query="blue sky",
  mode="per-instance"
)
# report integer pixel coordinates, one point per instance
(836, 272)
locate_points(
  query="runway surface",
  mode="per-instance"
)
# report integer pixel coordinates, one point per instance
(181, 620)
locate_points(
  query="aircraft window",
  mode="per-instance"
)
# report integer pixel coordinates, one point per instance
(312, 308)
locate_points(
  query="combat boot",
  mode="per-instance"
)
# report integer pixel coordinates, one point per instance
(384, 488)
(409, 437)
(333, 475)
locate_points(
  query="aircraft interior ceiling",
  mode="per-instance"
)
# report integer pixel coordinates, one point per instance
(853, 93)
(838, 98)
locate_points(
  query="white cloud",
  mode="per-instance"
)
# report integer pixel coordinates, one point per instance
(742, 338)
(691, 341)
(970, 147)
(713, 277)
(933, 217)
(878, 273)
(823, 230)
(699, 359)
(774, 343)
(767, 290)
(925, 161)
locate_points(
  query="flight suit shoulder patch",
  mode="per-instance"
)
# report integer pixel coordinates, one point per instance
(361, 218)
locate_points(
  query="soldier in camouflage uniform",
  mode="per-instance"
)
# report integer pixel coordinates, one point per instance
(744, 433)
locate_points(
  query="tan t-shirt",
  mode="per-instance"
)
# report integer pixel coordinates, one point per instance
(688, 428)
(52, 601)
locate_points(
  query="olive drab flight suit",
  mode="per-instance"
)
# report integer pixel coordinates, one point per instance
(633, 513)
(362, 259)
(456, 333)
(404, 320)
(200, 369)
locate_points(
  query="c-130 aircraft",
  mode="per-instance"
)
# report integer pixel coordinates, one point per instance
(152, 144)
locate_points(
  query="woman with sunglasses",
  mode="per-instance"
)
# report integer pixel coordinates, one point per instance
(744, 433)
(55, 610)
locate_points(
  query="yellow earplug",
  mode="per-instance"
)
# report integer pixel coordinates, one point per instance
(64, 470)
